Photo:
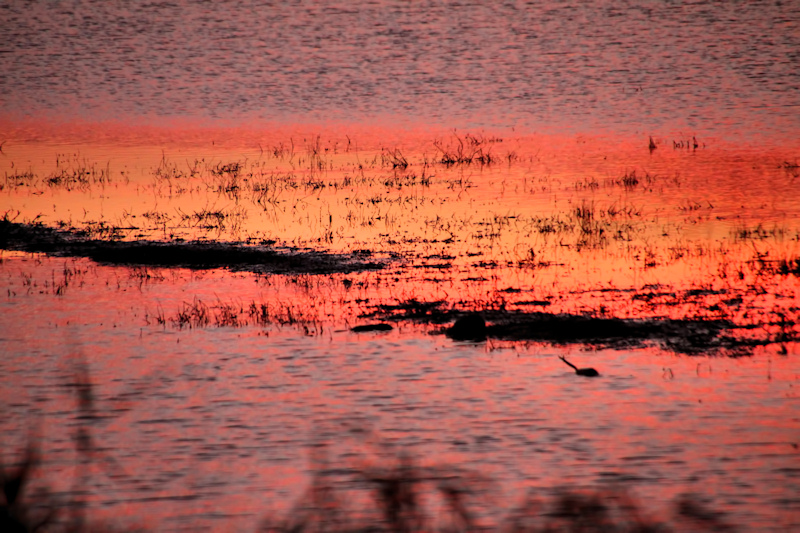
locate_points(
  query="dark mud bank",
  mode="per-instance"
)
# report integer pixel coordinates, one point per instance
(691, 336)
(687, 336)
(36, 238)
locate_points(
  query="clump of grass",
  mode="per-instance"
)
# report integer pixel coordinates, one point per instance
(198, 314)
(20, 178)
(192, 315)
(465, 151)
(622, 211)
(227, 315)
(158, 317)
(68, 275)
(771, 267)
(268, 188)
(166, 171)
(77, 173)
(316, 155)
(759, 232)
(786, 267)
(398, 180)
(228, 179)
(284, 314)
(550, 225)
(103, 230)
(591, 230)
(688, 144)
(213, 218)
(629, 180)
(394, 158)
(412, 308)
(260, 313)
(206, 218)
(157, 217)
(228, 169)
(589, 183)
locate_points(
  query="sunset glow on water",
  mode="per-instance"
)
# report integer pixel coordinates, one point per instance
(561, 170)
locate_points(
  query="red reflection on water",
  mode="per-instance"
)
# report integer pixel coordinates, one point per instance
(583, 224)
(559, 218)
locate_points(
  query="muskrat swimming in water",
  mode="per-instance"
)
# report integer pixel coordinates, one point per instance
(588, 372)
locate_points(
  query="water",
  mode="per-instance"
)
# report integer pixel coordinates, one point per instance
(210, 428)
(723, 70)
(118, 119)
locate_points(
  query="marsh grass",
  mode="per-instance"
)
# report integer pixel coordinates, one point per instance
(19, 178)
(787, 267)
(258, 258)
(718, 330)
(70, 173)
(231, 314)
(77, 173)
(194, 314)
(592, 230)
(466, 150)
(394, 158)
(211, 217)
(415, 209)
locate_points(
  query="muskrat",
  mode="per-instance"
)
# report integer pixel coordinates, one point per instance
(588, 372)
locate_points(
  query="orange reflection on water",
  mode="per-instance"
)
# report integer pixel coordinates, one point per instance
(497, 220)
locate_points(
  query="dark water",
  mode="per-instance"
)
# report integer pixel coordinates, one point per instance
(729, 69)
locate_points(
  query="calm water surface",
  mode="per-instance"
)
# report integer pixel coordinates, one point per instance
(214, 427)
(716, 69)
(119, 119)
(211, 428)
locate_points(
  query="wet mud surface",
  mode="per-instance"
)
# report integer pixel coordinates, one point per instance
(699, 336)
(261, 259)
(682, 336)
